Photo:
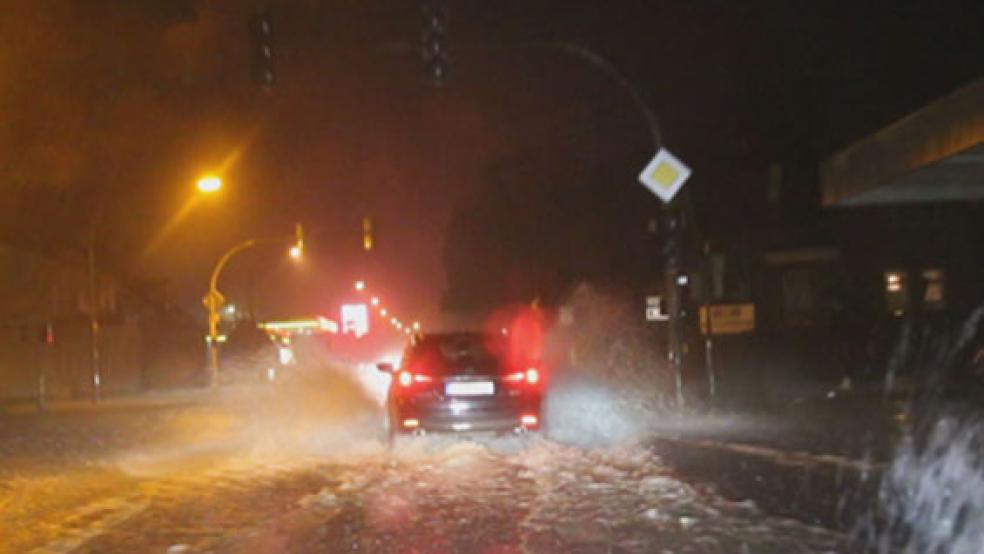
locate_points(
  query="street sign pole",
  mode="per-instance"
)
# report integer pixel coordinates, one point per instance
(708, 332)
(674, 331)
(664, 176)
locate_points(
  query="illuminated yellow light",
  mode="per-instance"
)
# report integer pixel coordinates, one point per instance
(296, 252)
(416, 325)
(411, 423)
(383, 312)
(529, 420)
(893, 282)
(360, 285)
(319, 323)
(367, 235)
(374, 301)
(328, 325)
(209, 184)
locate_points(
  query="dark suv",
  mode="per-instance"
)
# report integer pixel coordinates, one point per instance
(461, 382)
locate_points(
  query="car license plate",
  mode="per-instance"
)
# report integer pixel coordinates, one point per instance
(469, 388)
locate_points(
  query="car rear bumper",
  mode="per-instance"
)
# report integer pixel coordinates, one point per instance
(467, 415)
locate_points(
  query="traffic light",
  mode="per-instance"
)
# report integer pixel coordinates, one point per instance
(434, 41)
(672, 245)
(261, 46)
(368, 237)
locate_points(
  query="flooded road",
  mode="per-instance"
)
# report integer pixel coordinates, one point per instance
(296, 469)
(433, 495)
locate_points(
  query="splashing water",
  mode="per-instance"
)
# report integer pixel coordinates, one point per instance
(932, 494)
(930, 498)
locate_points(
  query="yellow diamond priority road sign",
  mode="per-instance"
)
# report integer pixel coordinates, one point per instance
(664, 175)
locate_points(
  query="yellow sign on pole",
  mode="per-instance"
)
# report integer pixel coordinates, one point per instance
(729, 319)
(665, 175)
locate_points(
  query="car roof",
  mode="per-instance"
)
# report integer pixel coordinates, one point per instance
(438, 339)
(450, 337)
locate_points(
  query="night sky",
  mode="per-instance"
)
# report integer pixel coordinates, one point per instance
(123, 104)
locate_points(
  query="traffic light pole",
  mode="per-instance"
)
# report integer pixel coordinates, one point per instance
(674, 331)
(681, 211)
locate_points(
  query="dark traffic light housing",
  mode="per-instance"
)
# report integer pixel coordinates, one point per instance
(261, 48)
(671, 231)
(434, 41)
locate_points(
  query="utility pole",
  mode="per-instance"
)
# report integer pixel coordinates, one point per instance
(93, 297)
(47, 343)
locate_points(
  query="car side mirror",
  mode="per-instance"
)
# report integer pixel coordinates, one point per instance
(385, 367)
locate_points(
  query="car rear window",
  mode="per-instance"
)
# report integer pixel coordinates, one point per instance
(454, 354)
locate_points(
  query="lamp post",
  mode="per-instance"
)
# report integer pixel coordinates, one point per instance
(214, 300)
(208, 184)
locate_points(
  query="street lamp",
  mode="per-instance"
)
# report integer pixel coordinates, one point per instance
(360, 285)
(209, 184)
(206, 185)
(214, 300)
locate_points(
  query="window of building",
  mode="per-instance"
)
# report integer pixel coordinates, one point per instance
(799, 297)
(896, 292)
(934, 295)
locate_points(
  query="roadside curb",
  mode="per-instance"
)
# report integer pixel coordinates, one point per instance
(818, 489)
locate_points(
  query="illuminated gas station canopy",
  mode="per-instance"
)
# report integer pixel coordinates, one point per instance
(305, 325)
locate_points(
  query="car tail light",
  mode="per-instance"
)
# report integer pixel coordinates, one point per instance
(531, 376)
(411, 423)
(407, 379)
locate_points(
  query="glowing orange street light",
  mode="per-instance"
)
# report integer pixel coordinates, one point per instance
(296, 252)
(416, 325)
(375, 301)
(209, 184)
(360, 285)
